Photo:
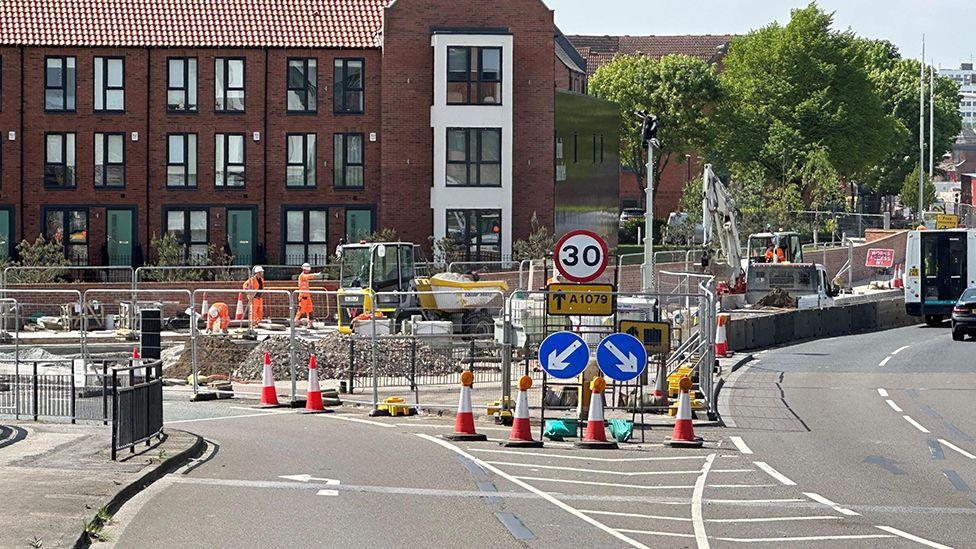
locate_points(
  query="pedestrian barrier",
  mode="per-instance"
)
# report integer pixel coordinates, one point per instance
(521, 436)
(464, 421)
(137, 404)
(683, 435)
(595, 437)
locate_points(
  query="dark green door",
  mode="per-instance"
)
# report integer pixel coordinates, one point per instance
(119, 236)
(240, 235)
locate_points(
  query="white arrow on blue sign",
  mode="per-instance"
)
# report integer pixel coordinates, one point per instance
(564, 355)
(621, 357)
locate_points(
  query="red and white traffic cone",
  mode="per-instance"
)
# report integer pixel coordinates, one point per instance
(721, 337)
(896, 281)
(521, 436)
(204, 308)
(659, 397)
(684, 432)
(239, 313)
(269, 395)
(313, 401)
(464, 422)
(595, 436)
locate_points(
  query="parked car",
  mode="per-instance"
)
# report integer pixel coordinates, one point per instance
(964, 315)
(629, 213)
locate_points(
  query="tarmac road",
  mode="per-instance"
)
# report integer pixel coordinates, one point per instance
(883, 424)
(817, 457)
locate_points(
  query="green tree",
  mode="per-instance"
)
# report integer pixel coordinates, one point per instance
(821, 182)
(794, 90)
(909, 191)
(39, 253)
(681, 90)
(382, 235)
(897, 83)
(539, 244)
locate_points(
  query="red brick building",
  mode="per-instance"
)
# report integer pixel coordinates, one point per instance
(599, 50)
(277, 129)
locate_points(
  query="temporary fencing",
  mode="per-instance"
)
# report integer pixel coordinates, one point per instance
(191, 273)
(32, 274)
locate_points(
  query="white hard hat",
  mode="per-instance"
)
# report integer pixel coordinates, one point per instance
(213, 311)
(258, 269)
(306, 267)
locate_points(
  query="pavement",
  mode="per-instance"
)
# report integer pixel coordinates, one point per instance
(55, 477)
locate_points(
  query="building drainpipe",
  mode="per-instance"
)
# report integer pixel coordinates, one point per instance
(264, 148)
(20, 139)
(145, 250)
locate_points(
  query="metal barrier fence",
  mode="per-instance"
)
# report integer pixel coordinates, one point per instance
(190, 273)
(137, 405)
(24, 274)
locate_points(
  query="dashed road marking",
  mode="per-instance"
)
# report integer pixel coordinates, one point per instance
(610, 484)
(654, 533)
(805, 538)
(357, 420)
(956, 448)
(585, 458)
(911, 537)
(774, 473)
(774, 519)
(884, 362)
(697, 516)
(634, 515)
(900, 349)
(327, 493)
(882, 392)
(544, 495)
(894, 406)
(751, 501)
(820, 499)
(598, 471)
(741, 445)
(740, 485)
(916, 424)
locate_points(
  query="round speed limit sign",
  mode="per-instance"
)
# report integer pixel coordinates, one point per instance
(581, 256)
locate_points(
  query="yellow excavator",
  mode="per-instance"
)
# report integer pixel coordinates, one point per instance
(391, 278)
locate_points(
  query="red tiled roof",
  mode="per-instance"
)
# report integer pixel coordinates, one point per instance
(192, 23)
(600, 49)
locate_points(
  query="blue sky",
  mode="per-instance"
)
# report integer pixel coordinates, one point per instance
(900, 21)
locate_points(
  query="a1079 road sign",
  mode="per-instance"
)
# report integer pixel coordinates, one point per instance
(581, 256)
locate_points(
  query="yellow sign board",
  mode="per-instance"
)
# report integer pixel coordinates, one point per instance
(946, 221)
(656, 336)
(581, 299)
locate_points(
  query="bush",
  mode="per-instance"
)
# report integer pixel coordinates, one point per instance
(628, 234)
(539, 245)
(169, 251)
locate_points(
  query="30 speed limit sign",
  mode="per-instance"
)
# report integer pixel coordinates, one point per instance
(581, 256)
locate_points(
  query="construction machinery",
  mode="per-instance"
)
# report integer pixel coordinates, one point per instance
(391, 278)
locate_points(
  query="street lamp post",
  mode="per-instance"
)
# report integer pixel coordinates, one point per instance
(649, 139)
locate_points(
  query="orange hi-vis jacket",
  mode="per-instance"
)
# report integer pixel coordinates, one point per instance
(221, 319)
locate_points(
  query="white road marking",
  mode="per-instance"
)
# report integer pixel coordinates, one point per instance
(654, 533)
(218, 418)
(900, 349)
(610, 484)
(773, 519)
(634, 515)
(740, 485)
(916, 424)
(911, 537)
(357, 420)
(583, 457)
(731, 470)
(581, 470)
(697, 517)
(544, 495)
(741, 445)
(885, 361)
(956, 448)
(883, 393)
(820, 499)
(445, 426)
(327, 493)
(804, 538)
(745, 501)
(894, 406)
(774, 473)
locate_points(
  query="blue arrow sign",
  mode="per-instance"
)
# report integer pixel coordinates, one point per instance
(621, 357)
(564, 355)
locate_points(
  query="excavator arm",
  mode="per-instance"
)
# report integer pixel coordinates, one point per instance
(720, 221)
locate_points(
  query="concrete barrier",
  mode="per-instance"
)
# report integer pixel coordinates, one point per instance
(747, 333)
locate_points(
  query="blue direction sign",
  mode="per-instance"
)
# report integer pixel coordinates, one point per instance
(564, 355)
(621, 357)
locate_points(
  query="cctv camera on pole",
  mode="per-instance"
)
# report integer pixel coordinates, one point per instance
(649, 140)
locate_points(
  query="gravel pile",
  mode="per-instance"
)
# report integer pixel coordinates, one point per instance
(215, 355)
(777, 298)
(332, 357)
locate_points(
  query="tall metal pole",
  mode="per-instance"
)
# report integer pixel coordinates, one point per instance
(932, 120)
(647, 285)
(921, 133)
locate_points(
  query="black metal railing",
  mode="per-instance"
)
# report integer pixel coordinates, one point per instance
(137, 405)
(54, 389)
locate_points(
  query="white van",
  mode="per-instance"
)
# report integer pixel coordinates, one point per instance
(939, 266)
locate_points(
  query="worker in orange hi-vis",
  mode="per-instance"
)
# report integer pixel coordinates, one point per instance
(253, 288)
(305, 305)
(218, 318)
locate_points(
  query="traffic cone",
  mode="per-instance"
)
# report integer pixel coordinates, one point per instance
(239, 313)
(659, 397)
(521, 436)
(205, 308)
(464, 422)
(269, 395)
(313, 402)
(595, 436)
(136, 357)
(721, 338)
(897, 281)
(684, 432)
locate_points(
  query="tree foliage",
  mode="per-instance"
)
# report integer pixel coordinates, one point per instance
(539, 244)
(800, 93)
(39, 253)
(681, 90)
(909, 191)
